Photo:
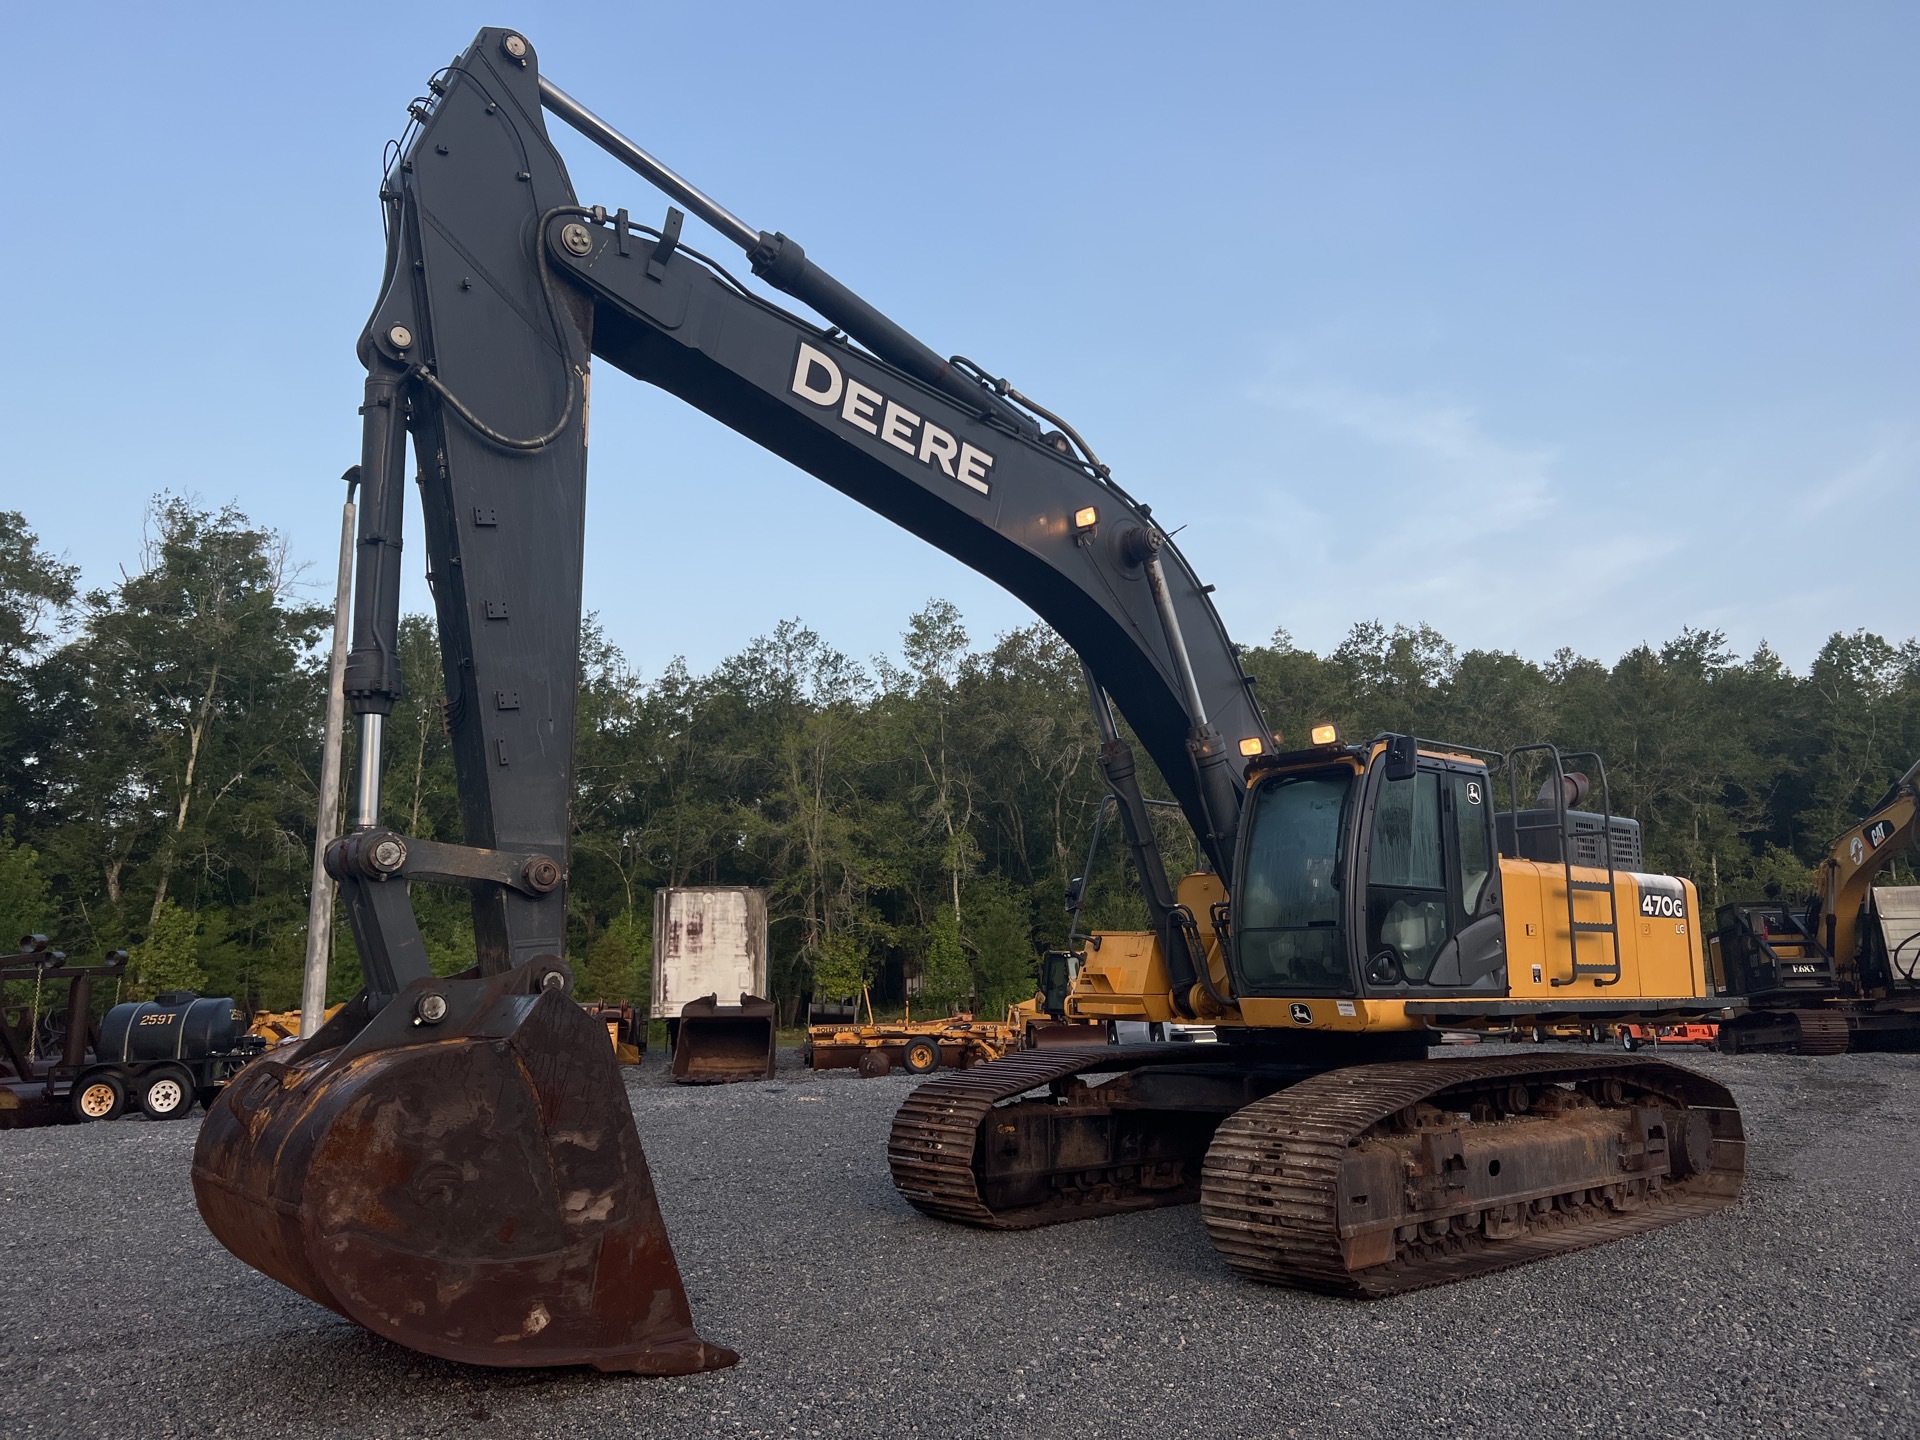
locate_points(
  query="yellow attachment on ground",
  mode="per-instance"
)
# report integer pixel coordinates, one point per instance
(277, 1026)
(961, 1039)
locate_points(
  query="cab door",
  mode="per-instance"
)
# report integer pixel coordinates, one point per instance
(1429, 911)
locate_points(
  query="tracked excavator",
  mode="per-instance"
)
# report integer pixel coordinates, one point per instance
(452, 1161)
(1841, 972)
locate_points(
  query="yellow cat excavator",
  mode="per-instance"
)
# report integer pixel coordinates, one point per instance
(452, 1162)
(1843, 971)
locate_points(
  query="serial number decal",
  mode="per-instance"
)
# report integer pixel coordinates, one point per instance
(156, 1019)
(818, 379)
(1661, 897)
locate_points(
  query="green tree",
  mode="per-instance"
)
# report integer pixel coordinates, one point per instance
(26, 898)
(1005, 968)
(169, 957)
(35, 588)
(945, 978)
(188, 737)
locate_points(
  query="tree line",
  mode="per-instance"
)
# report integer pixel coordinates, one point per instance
(915, 817)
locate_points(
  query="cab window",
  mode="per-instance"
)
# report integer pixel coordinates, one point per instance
(1473, 842)
(1287, 923)
(1408, 914)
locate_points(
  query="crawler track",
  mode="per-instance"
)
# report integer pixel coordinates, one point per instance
(936, 1131)
(1272, 1191)
(1823, 1032)
(1367, 1180)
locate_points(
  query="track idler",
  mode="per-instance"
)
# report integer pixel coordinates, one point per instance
(460, 1174)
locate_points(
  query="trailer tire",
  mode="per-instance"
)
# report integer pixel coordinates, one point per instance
(920, 1056)
(1628, 1040)
(167, 1094)
(98, 1097)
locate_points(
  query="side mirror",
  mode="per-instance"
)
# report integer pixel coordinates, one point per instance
(1076, 888)
(1403, 757)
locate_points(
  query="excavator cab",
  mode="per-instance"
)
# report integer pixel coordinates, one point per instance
(1368, 874)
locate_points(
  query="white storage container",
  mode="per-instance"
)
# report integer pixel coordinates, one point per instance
(708, 940)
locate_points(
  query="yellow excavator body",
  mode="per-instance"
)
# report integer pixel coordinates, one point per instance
(1560, 926)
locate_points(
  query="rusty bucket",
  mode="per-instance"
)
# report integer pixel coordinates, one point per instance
(719, 1044)
(460, 1174)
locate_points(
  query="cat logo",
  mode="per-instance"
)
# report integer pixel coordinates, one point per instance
(1302, 1014)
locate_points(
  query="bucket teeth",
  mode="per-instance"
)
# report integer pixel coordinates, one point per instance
(476, 1191)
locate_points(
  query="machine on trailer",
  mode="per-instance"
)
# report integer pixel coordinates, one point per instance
(452, 1161)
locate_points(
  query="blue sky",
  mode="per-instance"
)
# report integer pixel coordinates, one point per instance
(1546, 325)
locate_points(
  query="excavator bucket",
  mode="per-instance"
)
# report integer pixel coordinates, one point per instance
(460, 1174)
(1058, 1034)
(719, 1044)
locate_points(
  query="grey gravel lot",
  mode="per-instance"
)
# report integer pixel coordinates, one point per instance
(1796, 1313)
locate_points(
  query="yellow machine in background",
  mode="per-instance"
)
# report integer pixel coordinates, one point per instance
(1841, 972)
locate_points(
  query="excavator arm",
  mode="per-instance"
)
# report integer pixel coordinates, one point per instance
(451, 1161)
(503, 284)
(1853, 863)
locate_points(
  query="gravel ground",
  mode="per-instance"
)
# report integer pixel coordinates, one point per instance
(1795, 1313)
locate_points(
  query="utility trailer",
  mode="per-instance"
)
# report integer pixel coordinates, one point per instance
(917, 1046)
(160, 1055)
(1685, 1032)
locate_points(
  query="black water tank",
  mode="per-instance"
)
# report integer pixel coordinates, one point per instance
(177, 1026)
